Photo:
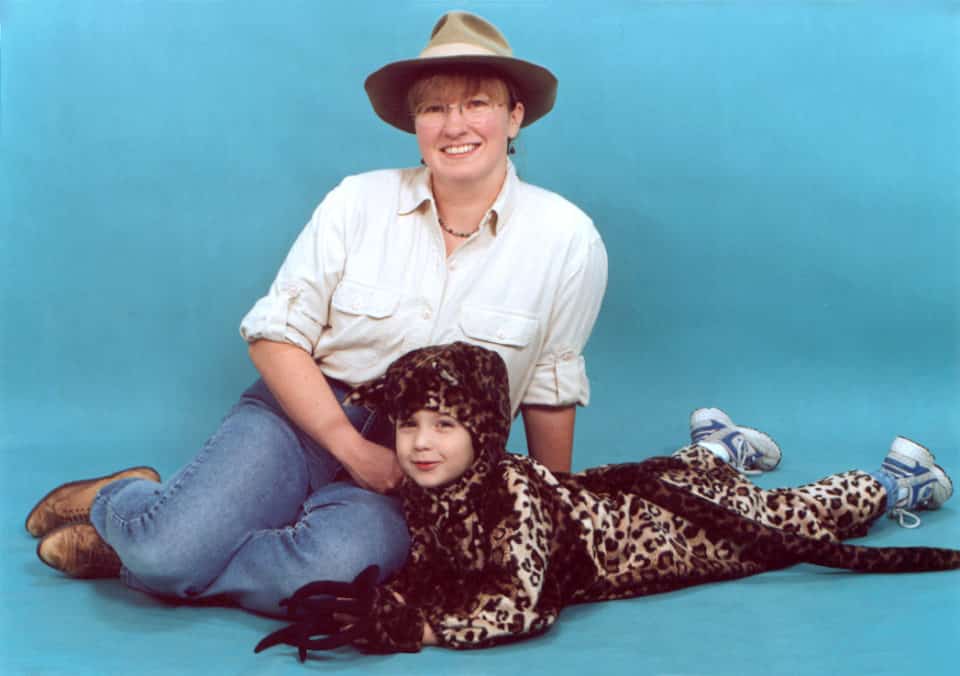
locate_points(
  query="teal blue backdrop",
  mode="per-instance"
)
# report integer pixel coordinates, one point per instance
(778, 186)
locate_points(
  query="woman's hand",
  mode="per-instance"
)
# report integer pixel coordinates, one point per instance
(371, 465)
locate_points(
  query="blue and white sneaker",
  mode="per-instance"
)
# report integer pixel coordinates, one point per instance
(921, 483)
(748, 450)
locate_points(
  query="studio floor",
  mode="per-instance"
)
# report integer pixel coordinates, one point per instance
(804, 620)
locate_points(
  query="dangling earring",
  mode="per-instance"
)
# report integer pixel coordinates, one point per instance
(511, 150)
(422, 162)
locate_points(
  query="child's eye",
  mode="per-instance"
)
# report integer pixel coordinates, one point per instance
(446, 423)
(406, 423)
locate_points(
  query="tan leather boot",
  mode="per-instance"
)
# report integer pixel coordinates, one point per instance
(70, 502)
(79, 551)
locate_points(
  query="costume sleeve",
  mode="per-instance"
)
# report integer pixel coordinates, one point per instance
(560, 374)
(506, 599)
(296, 307)
(396, 619)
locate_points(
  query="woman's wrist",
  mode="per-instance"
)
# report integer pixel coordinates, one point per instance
(343, 441)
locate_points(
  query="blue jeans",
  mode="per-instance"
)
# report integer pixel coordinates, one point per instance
(259, 512)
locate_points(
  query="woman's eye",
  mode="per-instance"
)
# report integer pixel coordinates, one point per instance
(477, 105)
(406, 423)
(446, 424)
(433, 109)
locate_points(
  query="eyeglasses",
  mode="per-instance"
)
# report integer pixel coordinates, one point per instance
(434, 113)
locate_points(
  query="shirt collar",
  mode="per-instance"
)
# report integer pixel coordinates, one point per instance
(414, 191)
(415, 195)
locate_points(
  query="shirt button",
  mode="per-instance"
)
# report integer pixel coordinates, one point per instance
(501, 335)
(426, 314)
(355, 306)
(453, 266)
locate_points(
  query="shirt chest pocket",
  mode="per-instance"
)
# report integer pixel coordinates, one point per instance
(506, 328)
(363, 318)
(359, 299)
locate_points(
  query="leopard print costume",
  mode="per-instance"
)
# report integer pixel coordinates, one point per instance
(499, 552)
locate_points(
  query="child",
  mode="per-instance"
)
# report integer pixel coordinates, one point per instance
(501, 545)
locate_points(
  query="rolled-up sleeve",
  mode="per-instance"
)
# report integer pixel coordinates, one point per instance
(296, 307)
(560, 374)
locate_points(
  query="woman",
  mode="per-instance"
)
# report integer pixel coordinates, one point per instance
(292, 485)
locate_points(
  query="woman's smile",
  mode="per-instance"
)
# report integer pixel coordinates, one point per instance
(460, 150)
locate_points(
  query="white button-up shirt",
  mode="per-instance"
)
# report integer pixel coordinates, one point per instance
(368, 280)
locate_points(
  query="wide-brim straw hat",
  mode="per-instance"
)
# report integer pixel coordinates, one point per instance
(461, 40)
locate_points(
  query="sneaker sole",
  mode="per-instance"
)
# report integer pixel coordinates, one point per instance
(946, 485)
(908, 448)
(763, 440)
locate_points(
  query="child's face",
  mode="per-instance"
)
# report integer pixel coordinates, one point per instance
(433, 449)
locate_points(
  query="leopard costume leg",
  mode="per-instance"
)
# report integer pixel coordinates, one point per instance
(835, 508)
(845, 504)
(650, 541)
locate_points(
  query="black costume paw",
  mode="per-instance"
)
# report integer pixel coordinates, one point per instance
(377, 622)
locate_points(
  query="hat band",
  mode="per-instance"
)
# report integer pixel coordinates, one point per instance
(459, 49)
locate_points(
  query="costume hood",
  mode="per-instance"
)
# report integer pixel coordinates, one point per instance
(458, 379)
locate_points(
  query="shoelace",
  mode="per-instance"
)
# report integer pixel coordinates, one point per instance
(743, 457)
(900, 514)
(907, 518)
(740, 455)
